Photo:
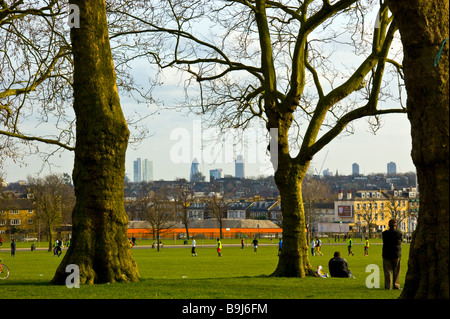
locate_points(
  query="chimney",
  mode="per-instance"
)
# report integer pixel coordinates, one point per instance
(340, 195)
(349, 195)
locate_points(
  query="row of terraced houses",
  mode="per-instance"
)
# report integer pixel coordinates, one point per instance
(357, 212)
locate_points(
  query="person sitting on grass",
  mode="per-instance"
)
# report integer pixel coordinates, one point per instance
(338, 267)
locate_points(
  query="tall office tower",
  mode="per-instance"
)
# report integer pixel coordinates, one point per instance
(137, 170)
(355, 169)
(147, 171)
(215, 174)
(239, 167)
(391, 168)
(327, 172)
(194, 170)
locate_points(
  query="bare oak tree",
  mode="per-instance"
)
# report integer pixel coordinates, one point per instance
(159, 211)
(64, 81)
(369, 212)
(270, 61)
(52, 199)
(395, 206)
(36, 79)
(99, 244)
(35, 69)
(314, 191)
(184, 196)
(218, 202)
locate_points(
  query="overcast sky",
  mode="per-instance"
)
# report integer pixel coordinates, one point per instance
(172, 148)
(176, 138)
(371, 152)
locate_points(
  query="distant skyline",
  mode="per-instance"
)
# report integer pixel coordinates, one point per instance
(173, 141)
(392, 143)
(142, 170)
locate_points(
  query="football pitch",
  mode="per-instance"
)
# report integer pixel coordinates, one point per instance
(172, 273)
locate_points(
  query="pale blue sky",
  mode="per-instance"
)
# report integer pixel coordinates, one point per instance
(372, 152)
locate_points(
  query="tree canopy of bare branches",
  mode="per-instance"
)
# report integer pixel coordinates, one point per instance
(54, 201)
(36, 80)
(303, 69)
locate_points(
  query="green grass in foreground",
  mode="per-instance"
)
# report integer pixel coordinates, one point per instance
(174, 273)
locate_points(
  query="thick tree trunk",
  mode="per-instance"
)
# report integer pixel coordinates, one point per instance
(423, 26)
(293, 260)
(187, 230)
(50, 239)
(99, 246)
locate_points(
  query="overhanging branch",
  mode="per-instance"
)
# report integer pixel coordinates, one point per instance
(38, 139)
(358, 113)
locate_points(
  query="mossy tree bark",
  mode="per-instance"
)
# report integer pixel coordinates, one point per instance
(279, 109)
(293, 260)
(99, 246)
(423, 26)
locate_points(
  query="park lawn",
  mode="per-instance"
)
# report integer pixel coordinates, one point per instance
(173, 273)
(200, 242)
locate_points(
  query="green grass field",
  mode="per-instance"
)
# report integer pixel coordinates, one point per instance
(174, 273)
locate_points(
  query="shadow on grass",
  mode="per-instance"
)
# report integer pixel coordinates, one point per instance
(25, 283)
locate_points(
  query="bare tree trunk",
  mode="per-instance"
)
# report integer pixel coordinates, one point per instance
(293, 260)
(187, 230)
(424, 26)
(99, 244)
(50, 238)
(220, 228)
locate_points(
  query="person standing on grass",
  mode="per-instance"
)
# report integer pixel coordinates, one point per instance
(131, 246)
(194, 243)
(219, 247)
(255, 245)
(58, 247)
(349, 246)
(392, 253)
(13, 248)
(366, 247)
(319, 246)
(280, 245)
(242, 243)
(313, 245)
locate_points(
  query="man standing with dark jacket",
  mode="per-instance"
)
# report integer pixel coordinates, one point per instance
(392, 252)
